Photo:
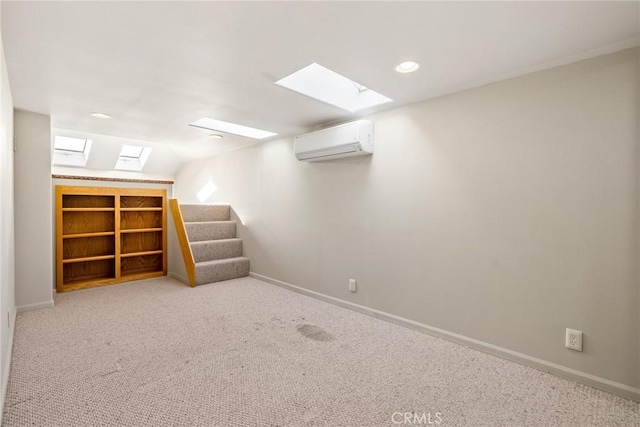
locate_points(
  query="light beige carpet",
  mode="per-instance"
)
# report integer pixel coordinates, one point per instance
(247, 353)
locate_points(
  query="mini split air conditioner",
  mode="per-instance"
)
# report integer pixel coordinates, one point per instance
(349, 139)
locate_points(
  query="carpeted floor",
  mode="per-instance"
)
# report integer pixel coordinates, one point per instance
(247, 353)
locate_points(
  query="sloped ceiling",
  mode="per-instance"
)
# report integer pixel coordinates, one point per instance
(155, 67)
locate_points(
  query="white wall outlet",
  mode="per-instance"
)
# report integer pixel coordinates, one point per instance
(573, 339)
(353, 286)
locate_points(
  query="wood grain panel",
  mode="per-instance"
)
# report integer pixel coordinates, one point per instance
(140, 202)
(90, 270)
(131, 220)
(185, 248)
(141, 242)
(88, 246)
(87, 222)
(141, 264)
(86, 201)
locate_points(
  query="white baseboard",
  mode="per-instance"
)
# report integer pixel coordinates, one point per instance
(7, 366)
(37, 306)
(178, 277)
(612, 387)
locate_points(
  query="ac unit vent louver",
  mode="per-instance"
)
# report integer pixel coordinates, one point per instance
(349, 139)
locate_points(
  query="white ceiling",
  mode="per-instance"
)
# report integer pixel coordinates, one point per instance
(155, 67)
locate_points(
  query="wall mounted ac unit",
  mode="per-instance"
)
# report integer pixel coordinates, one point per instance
(349, 139)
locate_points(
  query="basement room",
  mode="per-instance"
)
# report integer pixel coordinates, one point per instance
(326, 213)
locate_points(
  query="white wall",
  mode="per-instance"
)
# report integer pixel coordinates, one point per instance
(33, 209)
(505, 213)
(7, 270)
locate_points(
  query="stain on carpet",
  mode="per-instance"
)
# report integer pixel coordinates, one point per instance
(314, 332)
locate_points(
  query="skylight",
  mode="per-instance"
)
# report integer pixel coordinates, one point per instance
(68, 151)
(332, 88)
(65, 143)
(132, 158)
(131, 151)
(220, 126)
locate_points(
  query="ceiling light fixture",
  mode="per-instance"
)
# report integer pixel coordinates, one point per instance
(101, 115)
(407, 67)
(226, 127)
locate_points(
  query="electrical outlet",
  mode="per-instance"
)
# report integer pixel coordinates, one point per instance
(573, 339)
(352, 285)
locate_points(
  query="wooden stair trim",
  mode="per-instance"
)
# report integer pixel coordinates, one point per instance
(185, 248)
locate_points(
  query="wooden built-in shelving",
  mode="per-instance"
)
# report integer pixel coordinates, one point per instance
(109, 235)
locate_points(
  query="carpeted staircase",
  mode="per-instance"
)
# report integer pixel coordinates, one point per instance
(212, 237)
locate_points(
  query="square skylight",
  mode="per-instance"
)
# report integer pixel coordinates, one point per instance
(332, 88)
(132, 158)
(68, 151)
(221, 126)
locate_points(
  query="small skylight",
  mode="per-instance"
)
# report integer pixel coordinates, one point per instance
(69, 151)
(132, 158)
(131, 151)
(64, 143)
(220, 126)
(332, 88)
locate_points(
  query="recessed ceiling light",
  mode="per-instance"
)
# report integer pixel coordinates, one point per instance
(220, 126)
(101, 115)
(327, 86)
(407, 67)
(216, 136)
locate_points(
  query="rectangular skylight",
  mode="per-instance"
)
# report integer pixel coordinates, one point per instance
(65, 143)
(132, 158)
(131, 151)
(220, 126)
(68, 151)
(332, 88)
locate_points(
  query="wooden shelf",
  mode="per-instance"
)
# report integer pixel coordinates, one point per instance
(88, 209)
(89, 258)
(140, 230)
(72, 285)
(140, 276)
(141, 264)
(98, 234)
(109, 235)
(140, 209)
(141, 253)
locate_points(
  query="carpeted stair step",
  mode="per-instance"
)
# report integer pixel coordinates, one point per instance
(210, 230)
(209, 250)
(200, 213)
(221, 269)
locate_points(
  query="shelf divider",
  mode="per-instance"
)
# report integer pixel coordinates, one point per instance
(94, 234)
(88, 258)
(140, 230)
(130, 254)
(88, 209)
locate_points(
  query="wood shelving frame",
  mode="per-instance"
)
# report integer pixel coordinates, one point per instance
(109, 235)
